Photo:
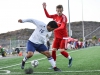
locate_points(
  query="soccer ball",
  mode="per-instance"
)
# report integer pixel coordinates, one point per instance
(34, 63)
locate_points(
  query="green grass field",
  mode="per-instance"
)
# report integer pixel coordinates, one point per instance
(85, 62)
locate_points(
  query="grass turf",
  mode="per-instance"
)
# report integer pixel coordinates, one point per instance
(85, 62)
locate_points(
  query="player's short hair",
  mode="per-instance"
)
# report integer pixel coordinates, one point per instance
(59, 6)
(53, 24)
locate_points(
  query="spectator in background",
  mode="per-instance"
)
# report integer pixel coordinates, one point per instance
(99, 41)
(3, 53)
(86, 43)
(83, 44)
(17, 50)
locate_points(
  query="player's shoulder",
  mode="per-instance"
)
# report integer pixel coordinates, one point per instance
(64, 16)
(55, 14)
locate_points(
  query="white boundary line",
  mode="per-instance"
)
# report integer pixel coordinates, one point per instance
(71, 71)
(7, 71)
(88, 71)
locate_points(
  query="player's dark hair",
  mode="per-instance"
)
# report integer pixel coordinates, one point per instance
(53, 24)
(59, 6)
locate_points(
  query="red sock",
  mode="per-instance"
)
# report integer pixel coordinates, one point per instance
(65, 54)
(54, 55)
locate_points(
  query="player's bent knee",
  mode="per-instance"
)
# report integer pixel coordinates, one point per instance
(54, 49)
(30, 54)
(47, 53)
(61, 50)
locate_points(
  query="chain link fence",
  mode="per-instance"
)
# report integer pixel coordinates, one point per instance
(11, 45)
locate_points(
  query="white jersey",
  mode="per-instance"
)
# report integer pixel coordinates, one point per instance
(39, 35)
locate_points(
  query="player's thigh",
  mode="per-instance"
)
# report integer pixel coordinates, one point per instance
(30, 47)
(43, 50)
(56, 43)
(62, 44)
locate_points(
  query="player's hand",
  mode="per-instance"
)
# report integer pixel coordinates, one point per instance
(20, 20)
(44, 5)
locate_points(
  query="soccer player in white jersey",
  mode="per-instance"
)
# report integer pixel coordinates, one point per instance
(37, 40)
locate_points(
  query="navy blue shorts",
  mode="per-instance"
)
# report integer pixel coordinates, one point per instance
(38, 47)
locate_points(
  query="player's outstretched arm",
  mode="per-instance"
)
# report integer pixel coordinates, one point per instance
(27, 20)
(46, 12)
(34, 21)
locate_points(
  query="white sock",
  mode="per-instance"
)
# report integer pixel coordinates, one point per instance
(69, 57)
(55, 62)
(52, 62)
(24, 59)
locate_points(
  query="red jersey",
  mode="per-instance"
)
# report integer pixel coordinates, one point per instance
(61, 31)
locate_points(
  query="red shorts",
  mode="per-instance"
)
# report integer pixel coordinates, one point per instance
(58, 43)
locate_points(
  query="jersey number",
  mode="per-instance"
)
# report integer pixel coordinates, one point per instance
(41, 30)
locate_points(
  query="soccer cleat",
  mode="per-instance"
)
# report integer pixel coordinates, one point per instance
(56, 69)
(22, 65)
(70, 62)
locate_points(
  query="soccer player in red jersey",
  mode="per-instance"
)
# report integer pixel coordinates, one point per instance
(59, 33)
